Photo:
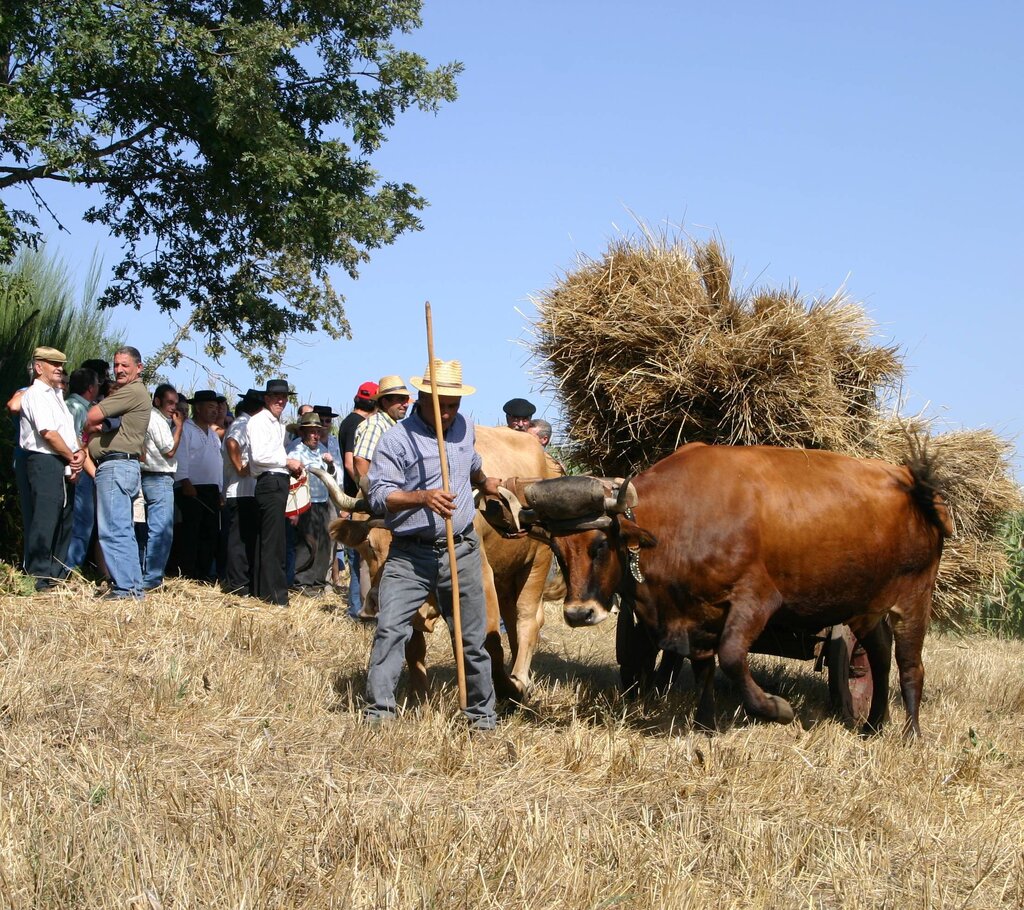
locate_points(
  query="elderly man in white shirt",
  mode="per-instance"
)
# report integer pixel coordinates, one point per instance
(271, 467)
(54, 458)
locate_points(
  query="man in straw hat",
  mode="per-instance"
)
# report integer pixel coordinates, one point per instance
(392, 403)
(405, 485)
(312, 542)
(53, 458)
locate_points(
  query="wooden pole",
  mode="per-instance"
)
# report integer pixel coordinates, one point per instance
(460, 664)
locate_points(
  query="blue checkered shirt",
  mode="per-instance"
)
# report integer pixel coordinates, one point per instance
(407, 459)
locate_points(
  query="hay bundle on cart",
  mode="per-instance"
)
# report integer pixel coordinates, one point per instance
(651, 346)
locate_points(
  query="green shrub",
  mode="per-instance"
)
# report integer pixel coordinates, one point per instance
(1003, 613)
(38, 307)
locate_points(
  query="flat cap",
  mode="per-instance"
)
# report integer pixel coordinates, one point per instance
(51, 355)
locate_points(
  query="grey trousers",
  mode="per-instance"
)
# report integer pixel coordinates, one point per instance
(413, 570)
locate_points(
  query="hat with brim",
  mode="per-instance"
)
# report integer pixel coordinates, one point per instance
(50, 355)
(254, 395)
(306, 422)
(324, 411)
(277, 387)
(391, 385)
(204, 395)
(447, 376)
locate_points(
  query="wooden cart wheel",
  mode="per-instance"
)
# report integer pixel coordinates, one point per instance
(849, 677)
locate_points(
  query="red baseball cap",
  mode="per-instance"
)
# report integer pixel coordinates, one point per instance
(367, 390)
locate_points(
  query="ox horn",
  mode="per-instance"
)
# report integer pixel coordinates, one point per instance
(626, 499)
(339, 497)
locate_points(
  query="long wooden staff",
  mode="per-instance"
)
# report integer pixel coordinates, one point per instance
(460, 666)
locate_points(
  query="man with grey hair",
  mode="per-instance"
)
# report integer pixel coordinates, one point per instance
(54, 459)
(541, 429)
(117, 428)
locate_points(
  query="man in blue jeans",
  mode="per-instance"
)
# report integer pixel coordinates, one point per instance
(405, 486)
(117, 427)
(162, 439)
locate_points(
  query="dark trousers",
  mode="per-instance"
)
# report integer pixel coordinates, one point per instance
(242, 524)
(196, 538)
(271, 497)
(48, 534)
(313, 546)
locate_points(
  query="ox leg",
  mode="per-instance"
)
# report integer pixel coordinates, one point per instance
(703, 663)
(528, 619)
(748, 615)
(908, 633)
(504, 688)
(877, 645)
(635, 652)
(416, 661)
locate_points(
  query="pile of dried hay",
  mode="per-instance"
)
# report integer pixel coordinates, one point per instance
(651, 346)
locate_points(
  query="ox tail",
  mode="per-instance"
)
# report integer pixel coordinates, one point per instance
(927, 489)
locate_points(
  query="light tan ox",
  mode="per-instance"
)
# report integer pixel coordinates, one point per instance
(514, 570)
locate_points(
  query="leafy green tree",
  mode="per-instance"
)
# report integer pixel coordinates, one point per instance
(230, 140)
(38, 305)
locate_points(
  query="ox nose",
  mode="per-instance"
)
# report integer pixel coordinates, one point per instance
(582, 614)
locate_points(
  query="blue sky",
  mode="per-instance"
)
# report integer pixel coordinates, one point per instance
(875, 145)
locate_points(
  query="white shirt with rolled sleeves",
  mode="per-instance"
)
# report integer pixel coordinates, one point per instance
(266, 443)
(236, 487)
(43, 408)
(159, 440)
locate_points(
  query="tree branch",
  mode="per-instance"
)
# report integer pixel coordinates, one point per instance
(52, 171)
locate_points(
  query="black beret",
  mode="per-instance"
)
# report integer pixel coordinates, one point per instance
(519, 407)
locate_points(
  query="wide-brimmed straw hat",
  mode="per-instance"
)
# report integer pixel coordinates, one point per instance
(312, 419)
(448, 376)
(391, 385)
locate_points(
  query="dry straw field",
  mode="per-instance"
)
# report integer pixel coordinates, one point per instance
(194, 751)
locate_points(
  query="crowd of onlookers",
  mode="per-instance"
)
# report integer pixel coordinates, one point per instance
(133, 487)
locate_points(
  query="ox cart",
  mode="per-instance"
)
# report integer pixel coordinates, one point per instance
(834, 649)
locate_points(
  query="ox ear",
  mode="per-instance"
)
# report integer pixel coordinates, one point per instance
(634, 536)
(349, 531)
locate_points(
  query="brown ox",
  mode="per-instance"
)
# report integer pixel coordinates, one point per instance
(725, 539)
(514, 570)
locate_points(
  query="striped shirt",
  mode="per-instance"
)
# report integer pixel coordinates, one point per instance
(407, 459)
(369, 433)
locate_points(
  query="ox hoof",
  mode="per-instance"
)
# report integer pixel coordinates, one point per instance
(783, 710)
